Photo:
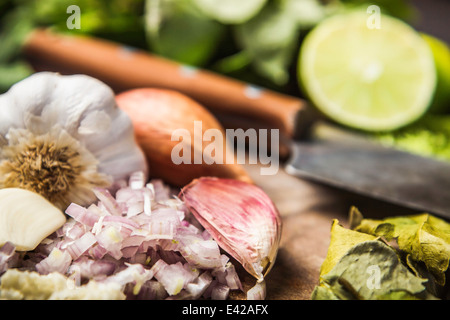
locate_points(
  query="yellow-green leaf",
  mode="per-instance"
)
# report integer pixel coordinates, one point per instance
(341, 241)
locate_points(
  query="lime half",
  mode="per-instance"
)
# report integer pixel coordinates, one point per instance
(367, 78)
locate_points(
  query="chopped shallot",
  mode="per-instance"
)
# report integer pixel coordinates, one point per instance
(141, 237)
(257, 292)
(7, 253)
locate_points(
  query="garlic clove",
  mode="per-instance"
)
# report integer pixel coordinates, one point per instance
(240, 217)
(26, 218)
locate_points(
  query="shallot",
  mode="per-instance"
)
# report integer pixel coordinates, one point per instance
(159, 253)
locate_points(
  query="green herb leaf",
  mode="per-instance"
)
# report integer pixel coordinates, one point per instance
(176, 30)
(230, 11)
(233, 63)
(270, 39)
(12, 73)
(307, 13)
(430, 137)
(16, 25)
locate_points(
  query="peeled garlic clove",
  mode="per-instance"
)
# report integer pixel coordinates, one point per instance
(240, 217)
(27, 218)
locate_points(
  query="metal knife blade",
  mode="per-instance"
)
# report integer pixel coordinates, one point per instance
(351, 162)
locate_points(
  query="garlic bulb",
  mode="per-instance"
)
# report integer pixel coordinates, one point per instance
(61, 136)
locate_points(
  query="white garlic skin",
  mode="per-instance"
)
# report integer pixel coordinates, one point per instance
(85, 107)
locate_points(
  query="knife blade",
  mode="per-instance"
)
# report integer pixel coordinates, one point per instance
(351, 162)
(318, 151)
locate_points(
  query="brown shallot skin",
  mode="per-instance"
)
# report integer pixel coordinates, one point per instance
(240, 216)
(156, 114)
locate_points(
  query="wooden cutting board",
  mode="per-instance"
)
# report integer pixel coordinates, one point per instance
(307, 210)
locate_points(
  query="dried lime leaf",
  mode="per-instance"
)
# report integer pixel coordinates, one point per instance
(323, 292)
(424, 237)
(341, 241)
(371, 270)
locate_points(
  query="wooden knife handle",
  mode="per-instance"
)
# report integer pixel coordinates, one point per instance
(124, 68)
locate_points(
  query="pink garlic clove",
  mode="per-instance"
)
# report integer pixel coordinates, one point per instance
(240, 217)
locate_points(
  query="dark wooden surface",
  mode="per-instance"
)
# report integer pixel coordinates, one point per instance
(432, 17)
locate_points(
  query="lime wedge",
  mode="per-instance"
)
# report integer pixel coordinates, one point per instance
(367, 78)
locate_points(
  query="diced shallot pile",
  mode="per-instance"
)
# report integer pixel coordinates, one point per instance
(142, 238)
